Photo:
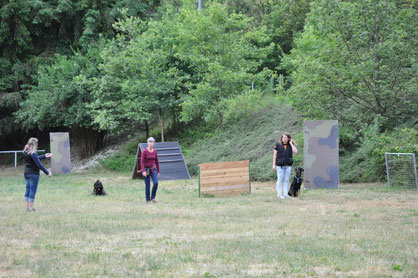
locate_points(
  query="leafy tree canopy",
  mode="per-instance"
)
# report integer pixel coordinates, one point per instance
(356, 61)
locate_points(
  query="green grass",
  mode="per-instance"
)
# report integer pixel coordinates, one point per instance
(358, 230)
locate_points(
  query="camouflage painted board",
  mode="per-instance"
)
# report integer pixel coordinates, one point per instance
(170, 157)
(320, 154)
(60, 148)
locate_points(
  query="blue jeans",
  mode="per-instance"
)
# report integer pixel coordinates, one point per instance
(283, 175)
(31, 187)
(154, 177)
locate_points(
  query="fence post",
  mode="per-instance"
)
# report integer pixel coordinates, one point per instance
(387, 169)
(198, 173)
(15, 159)
(415, 169)
(249, 173)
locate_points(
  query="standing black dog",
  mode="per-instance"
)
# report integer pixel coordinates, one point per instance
(296, 183)
(98, 189)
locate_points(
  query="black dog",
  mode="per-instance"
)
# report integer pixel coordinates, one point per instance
(98, 189)
(296, 183)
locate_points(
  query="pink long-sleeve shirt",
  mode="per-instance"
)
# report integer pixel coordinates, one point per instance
(150, 159)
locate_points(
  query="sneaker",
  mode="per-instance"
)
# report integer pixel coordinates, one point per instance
(287, 196)
(280, 197)
(33, 209)
(27, 210)
(154, 201)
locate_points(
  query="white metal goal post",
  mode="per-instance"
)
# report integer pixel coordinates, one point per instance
(401, 169)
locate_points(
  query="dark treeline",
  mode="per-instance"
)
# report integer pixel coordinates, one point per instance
(32, 33)
(99, 68)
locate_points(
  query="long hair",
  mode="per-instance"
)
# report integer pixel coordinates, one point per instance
(288, 136)
(32, 146)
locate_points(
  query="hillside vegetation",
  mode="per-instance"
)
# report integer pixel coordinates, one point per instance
(251, 137)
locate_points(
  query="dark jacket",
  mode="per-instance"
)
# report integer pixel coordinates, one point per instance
(32, 164)
(284, 156)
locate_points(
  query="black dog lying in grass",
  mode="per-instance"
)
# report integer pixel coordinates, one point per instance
(98, 189)
(296, 183)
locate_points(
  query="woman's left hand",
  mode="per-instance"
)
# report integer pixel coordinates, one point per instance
(48, 154)
(158, 174)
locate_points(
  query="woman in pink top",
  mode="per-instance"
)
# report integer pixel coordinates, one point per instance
(150, 170)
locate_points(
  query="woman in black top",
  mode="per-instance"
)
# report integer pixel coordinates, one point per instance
(31, 174)
(282, 163)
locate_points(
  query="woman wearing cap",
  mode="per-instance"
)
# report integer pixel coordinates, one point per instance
(282, 163)
(31, 174)
(150, 170)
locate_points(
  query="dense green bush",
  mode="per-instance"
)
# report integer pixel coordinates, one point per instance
(367, 162)
(120, 162)
(123, 160)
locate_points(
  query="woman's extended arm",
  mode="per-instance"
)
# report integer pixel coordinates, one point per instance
(39, 164)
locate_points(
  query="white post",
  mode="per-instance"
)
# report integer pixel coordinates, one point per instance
(387, 168)
(15, 159)
(199, 5)
(415, 170)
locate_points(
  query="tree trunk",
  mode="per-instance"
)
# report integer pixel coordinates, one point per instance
(220, 119)
(146, 129)
(86, 141)
(160, 119)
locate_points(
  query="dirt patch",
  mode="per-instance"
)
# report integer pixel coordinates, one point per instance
(78, 166)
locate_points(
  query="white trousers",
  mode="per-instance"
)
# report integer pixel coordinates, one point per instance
(283, 175)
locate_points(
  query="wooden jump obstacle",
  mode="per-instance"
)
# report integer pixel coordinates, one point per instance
(224, 178)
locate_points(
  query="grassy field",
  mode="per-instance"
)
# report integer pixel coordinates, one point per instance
(361, 230)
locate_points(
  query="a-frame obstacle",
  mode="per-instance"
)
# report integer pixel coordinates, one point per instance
(170, 157)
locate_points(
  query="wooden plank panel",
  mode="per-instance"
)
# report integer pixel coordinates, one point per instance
(237, 179)
(227, 187)
(220, 172)
(222, 165)
(221, 177)
(227, 192)
(234, 182)
(233, 174)
(224, 169)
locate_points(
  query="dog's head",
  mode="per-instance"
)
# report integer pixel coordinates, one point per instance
(299, 171)
(98, 187)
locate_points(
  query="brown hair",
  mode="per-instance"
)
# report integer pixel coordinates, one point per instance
(32, 146)
(288, 136)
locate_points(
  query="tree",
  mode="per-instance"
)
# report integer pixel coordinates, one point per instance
(140, 81)
(32, 32)
(186, 61)
(356, 61)
(59, 99)
(225, 54)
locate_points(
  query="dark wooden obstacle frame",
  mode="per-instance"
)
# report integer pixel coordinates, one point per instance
(224, 178)
(170, 156)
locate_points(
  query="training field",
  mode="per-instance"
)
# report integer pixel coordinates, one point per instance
(356, 231)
